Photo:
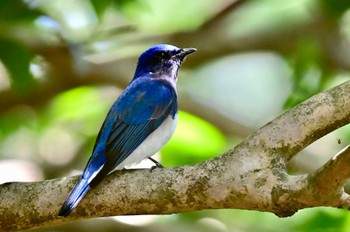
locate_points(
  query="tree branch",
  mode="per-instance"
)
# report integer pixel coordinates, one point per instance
(250, 176)
(335, 173)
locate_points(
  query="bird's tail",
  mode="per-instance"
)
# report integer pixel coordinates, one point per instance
(75, 196)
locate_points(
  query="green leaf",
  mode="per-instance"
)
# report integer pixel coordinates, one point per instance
(335, 8)
(309, 74)
(100, 6)
(12, 10)
(194, 140)
(324, 220)
(82, 106)
(161, 16)
(16, 59)
(122, 3)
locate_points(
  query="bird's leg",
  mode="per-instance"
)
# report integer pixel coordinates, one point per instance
(158, 165)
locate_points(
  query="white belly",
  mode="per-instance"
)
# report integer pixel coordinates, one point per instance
(153, 143)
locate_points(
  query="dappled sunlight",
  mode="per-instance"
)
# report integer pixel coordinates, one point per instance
(4, 80)
(136, 220)
(19, 170)
(213, 223)
(20, 144)
(58, 146)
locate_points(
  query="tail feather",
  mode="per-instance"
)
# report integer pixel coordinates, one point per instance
(75, 196)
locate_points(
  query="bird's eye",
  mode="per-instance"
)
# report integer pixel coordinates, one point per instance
(163, 55)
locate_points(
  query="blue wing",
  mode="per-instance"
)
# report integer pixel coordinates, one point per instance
(139, 111)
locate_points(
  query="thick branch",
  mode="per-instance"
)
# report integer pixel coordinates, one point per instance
(250, 176)
(319, 115)
(335, 173)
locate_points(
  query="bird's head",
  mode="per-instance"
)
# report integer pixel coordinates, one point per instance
(162, 61)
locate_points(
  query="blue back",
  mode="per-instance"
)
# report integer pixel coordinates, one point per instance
(139, 111)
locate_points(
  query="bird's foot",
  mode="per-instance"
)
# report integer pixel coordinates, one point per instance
(157, 164)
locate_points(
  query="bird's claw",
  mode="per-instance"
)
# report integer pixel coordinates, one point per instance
(157, 164)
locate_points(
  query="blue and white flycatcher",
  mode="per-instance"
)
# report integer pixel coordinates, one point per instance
(139, 123)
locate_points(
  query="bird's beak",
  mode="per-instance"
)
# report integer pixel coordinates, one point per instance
(184, 52)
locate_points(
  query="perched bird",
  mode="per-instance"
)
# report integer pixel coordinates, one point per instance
(139, 123)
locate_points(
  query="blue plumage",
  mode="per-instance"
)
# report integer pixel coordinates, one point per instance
(139, 123)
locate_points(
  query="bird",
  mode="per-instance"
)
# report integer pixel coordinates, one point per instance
(139, 123)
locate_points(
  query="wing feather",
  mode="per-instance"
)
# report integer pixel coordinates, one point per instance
(135, 117)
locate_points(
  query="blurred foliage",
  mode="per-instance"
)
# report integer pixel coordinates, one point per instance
(309, 75)
(313, 220)
(17, 10)
(64, 62)
(87, 105)
(17, 60)
(335, 7)
(152, 16)
(195, 140)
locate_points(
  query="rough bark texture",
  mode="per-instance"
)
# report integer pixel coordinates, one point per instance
(250, 176)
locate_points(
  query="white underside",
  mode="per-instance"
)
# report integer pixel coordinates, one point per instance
(153, 143)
